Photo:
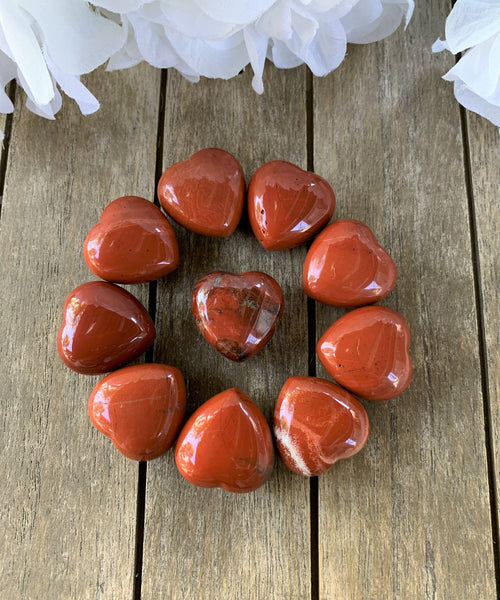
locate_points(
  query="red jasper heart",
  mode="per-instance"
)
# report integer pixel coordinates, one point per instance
(226, 443)
(317, 423)
(104, 327)
(346, 266)
(140, 408)
(204, 193)
(287, 205)
(237, 314)
(132, 243)
(366, 351)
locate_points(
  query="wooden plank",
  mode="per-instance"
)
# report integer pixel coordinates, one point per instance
(485, 178)
(409, 517)
(68, 497)
(209, 544)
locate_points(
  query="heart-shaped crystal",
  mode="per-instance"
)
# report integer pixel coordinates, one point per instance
(366, 351)
(104, 327)
(205, 193)
(237, 314)
(287, 205)
(140, 408)
(132, 243)
(346, 266)
(317, 423)
(226, 443)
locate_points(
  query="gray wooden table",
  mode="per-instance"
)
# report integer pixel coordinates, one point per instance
(413, 516)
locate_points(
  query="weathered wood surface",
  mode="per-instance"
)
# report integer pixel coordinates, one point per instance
(68, 502)
(484, 146)
(409, 517)
(208, 544)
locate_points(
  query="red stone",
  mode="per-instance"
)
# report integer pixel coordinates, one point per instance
(237, 314)
(366, 351)
(226, 443)
(140, 408)
(317, 423)
(104, 327)
(132, 243)
(205, 193)
(346, 266)
(287, 205)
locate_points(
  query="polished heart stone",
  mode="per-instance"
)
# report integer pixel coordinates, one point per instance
(346, 266)
(226, 443)
(140, 408)
(205, 193)
(317, 423)
(287, 205)
(132, 243)
(237, 314)
(104, 327)
(366, 351)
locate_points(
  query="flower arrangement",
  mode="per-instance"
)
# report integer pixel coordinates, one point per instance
(47, 50)
(474, 25)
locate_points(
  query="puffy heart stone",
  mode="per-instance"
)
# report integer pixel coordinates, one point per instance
(140, 408)
(226, 443)
(204, 193)
(237, 314)
(287, 205)
(104, 327)
(132, 243)
(317, 423)
(346, 266)
(366, 351)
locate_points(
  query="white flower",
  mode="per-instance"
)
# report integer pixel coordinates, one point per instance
(475, 24)
(214, 38)
(47, 44)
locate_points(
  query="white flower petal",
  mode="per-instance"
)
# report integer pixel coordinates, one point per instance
(223, 59)
(19, 42)
(479, 105)
(78, 39)
(471, 22)
(479, 70)
(129, 54)
(74, 88)
(48, 110)
(386, 23)
(228, 11)
(257, 46)
(120, 6)
(8, 72)
(187, 19)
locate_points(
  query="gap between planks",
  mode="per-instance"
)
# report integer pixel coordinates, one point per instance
(11, 92)
(311, 339)
(153, 286)
(482, 347)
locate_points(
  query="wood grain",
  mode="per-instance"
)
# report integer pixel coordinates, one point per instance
(68, 497)
(409, 517)
(209, 544)
(484, 145)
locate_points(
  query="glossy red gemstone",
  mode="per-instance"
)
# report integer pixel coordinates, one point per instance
(346, 266)
(132, 243)
(104, 327)
(204, 193)
(287, 205)
(366, 351)
(317, 423)
(140, 408)
(237, 314)
(226, 443)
